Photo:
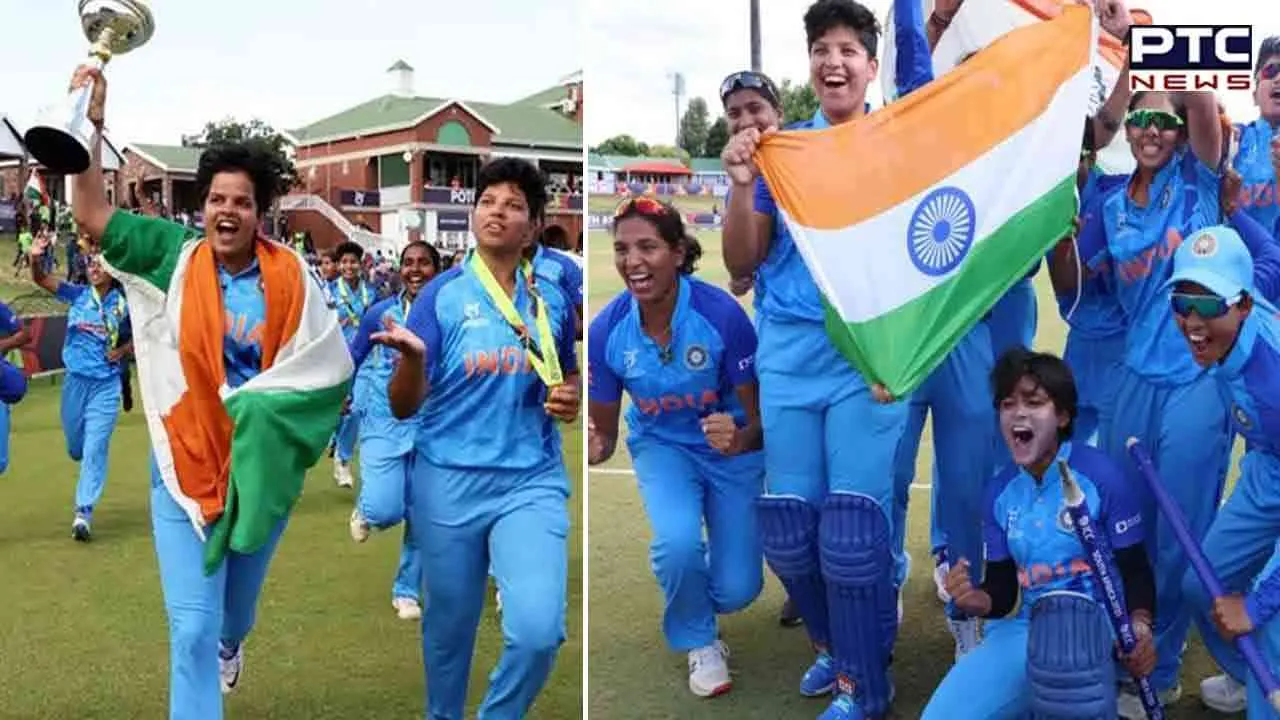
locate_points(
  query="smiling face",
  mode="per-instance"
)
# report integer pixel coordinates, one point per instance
(1210, 338)
(231, 215)
(416, 269)
(1030, 423)
(98, 277)
(840, 70)
(747, 108)
(502, 219)
(349, 268)
(1266, 91)
(1151, 146)
(327, 268)
(648, 264)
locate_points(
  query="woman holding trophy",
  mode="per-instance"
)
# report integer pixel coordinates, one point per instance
(243, 371)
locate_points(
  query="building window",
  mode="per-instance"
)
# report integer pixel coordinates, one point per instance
(451, 170)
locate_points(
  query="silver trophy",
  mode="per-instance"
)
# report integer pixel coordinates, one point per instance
(60, 140)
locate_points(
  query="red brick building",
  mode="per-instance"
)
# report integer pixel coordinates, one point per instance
(404, 166)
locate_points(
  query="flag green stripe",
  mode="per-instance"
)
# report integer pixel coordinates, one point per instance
(900, 348)
(278, 436)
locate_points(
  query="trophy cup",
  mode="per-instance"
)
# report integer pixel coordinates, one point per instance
(61, 140)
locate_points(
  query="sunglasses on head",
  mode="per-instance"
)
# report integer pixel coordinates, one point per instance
(1145, 118)
(644, 205)
(748, 80)
(1208, 307)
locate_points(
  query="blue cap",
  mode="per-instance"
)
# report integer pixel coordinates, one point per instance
(1216, 258)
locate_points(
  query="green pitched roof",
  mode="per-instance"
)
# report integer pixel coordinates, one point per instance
(174, 158)
(542, 98)
(706, 165)
(517, 124)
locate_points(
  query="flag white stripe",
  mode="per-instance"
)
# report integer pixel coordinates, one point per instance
(873, 254)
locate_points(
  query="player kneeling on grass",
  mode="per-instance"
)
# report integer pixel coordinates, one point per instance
(1060, 638)
(684, 350)
(13, 383)
(1219, 304)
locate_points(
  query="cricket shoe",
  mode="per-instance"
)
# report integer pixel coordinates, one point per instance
(407, 608)
(708, 671)
(845, 707)
(1224, 694)
(342, 474)
(80, 529)
(230, 663)
(1129, 705)
(820, 678)
(359, 526)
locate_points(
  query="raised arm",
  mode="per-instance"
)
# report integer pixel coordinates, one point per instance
(748, 217)
(1204, 129)
(913, 64)
(89, 203)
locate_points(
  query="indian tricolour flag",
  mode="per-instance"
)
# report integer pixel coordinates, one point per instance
(35, 191)
(915, 219)
(233, 459)
(978, 23)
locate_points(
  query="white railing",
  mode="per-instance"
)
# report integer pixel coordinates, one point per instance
(370, 241)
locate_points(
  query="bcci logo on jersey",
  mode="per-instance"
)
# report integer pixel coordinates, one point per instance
(695, 358)
(471, 316)
(1173, 58)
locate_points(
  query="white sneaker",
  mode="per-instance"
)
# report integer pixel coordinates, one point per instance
(342, 474)
(940, 581)
(80, 530)
(229, 667)
(1224, 694)
(1129, 705)
(407, 608)
(967, 634)
(359, 526)
(708, 671)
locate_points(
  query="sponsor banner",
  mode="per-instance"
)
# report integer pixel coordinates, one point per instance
(8, 217)
(42, 355)
(449, 196)
(360, 198)
(453, 221)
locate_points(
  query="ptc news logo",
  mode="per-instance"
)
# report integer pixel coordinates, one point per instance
(1190, 57)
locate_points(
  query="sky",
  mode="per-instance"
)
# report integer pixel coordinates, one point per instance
(633, 47)
(290, 62)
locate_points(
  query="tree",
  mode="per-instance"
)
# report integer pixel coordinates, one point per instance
(717, 138)
(255, 132)
(799, 102)
(668, 151)
(694, 126)
(622, 145)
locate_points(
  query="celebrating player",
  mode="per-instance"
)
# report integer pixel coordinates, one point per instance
(825, 485)
(97, 320)
(1216, 282)
(223, 324)
(354, 297)
(13, 383)
(1031, 547)
(684, 350)
(386, 444)
(1258, 157)
(1161, 396)
(491, 370)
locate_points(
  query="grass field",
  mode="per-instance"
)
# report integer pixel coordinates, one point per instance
(83, 631)
(631, 673)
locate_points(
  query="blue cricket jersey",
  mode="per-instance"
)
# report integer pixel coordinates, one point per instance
(712, 352)
(484, 408)
(377, 362)
(1134, 241)
(1098, 313)
(353, 303)
(245, 308)
(1027, 521)
(1253, 162)
(793, 296)
(561, 269)
(12, 384)
(92, 324)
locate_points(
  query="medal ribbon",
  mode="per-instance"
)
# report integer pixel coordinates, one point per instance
(543, 357)
(113, 329)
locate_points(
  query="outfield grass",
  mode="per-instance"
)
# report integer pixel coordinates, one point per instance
(83, 633)
(631, 673)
